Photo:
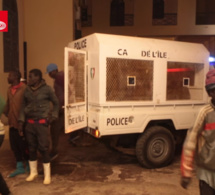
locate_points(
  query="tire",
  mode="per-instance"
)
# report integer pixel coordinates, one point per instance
(155, 147)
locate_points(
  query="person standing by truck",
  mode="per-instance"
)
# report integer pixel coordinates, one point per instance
(200, 145)
(58, 125)
(17, 141)
(36, 111)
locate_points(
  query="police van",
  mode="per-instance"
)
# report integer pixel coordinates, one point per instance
(141, 93)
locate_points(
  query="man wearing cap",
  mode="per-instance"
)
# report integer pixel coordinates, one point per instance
(200, 145)
(58, 125)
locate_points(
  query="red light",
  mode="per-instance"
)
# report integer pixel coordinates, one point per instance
(179, 70)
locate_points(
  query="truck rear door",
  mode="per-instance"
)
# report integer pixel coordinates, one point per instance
(75, 89)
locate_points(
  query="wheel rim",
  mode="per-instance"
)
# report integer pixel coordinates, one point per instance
(157, 149)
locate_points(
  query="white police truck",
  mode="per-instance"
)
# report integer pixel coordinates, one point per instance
(141, 93)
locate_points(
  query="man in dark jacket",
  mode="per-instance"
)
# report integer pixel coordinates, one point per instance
(36, 112)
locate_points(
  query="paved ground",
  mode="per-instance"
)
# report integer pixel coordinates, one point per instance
(93, 169)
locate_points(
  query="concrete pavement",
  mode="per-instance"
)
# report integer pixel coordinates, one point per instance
(93, 169)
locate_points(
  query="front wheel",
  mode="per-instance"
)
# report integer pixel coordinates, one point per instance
(155, 147)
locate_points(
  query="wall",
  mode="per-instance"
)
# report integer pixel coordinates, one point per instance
(3, 76)
(143, 21)
(48, 27)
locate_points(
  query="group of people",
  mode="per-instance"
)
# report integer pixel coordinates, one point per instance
(31, 109)
(30, 116)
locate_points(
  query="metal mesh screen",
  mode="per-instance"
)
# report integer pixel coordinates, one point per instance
(177, 74)
(117, 83)
(76, 88)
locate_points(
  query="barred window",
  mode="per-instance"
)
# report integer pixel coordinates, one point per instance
(184, 81)
(119, 71)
